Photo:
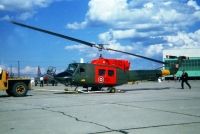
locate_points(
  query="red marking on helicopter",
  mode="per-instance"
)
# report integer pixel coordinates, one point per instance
(101, 79)
(122, 64)
(105, 74)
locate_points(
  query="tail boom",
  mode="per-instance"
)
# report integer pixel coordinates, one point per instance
(138, 75)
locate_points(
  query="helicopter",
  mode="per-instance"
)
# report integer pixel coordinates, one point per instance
(105, 72)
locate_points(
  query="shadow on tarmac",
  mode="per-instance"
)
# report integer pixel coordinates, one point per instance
(119, 91)
(66, 93)
(6, 96)
(142, 89)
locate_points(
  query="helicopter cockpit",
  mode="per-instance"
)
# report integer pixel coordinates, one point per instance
(72, 68)
(68, 72)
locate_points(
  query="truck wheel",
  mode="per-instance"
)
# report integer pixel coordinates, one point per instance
(19, 89)
(9, 92)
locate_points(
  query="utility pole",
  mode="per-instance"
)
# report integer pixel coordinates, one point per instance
(38, 72)
(11, 72)
(18, 68)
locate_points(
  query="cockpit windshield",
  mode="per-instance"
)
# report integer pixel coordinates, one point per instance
(72, 68)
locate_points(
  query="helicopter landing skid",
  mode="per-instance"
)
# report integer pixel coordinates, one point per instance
(102, 91)
(87, 91)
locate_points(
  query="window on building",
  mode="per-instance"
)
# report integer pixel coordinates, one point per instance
(198, 64)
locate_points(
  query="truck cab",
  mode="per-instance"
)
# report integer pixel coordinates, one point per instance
(3, 79)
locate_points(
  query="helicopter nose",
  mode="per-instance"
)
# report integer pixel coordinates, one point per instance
(63, 74)
(64, 80)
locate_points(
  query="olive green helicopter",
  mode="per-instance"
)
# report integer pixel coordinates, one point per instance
(105, 72)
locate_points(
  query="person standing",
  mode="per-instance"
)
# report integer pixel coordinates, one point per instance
(41, 81)
(184, 79)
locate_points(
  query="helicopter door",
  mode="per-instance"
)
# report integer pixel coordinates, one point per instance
(111, 76)
(105, 75)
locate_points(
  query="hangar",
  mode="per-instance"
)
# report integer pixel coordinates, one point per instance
(191, 66)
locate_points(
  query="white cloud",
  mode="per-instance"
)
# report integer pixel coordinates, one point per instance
(197, 15)
(23, 9)
(180, 40)
(79, 47)
(112, 10)
(110, 39)
(121, 34)
(193, 4)
(77, 25)
(117, 34)
(184, 40)
(105, 37)
(25, 5)
(125, 34)
(2, 66)
(155, 19)
(132, 19)
(124, 14)
(154, 50)
(26, 15)
(117, 46)
(93, 52)
(171, 15)
(87, 51)
(27, 70)
(2, 7)
(148, 5)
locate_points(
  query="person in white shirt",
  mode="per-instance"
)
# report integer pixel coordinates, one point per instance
(41, 81)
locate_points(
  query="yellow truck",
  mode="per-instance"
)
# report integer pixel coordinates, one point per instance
(16, 87)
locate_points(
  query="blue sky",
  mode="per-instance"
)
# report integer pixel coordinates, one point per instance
(144, 27)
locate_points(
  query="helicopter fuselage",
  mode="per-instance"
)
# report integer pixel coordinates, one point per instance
(90, 75)
(103, 73)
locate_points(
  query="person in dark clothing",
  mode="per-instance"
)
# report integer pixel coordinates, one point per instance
(184, 78)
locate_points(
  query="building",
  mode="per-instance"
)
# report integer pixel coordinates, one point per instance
(191, 66)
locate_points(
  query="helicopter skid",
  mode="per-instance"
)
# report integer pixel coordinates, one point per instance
(75, 90)
(94, 92)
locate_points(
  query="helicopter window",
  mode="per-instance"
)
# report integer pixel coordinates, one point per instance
(82, 70)
(72, 68)
(110, 72)
(102, 72)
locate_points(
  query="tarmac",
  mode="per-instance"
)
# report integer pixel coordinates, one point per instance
(143, 108)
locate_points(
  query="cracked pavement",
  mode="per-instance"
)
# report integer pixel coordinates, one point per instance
(145, 108)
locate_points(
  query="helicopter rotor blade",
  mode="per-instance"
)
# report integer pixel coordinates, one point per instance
(54, 34)
(136, 55)
(100, 46)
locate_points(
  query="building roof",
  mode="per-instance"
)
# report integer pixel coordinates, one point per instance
(189, 52)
